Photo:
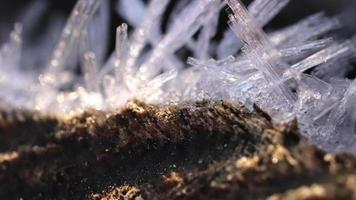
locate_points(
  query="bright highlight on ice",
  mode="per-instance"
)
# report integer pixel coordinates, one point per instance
(247, 65)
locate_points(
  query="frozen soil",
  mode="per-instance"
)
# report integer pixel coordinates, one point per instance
(202, 150)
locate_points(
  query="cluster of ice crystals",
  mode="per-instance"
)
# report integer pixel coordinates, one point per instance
(247, 65)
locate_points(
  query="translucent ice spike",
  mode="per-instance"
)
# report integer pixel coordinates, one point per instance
(211, 63)
(78, 20)
(322, 56)
(10, 53)
(244, 64)
(15, 46)
(89, 63)
(328, 71)
(350, 96)
(99, 31)
(245, 26)
(161, 79)
(120, 50)
(302, 50)
(260, 50)
(342, 121)
(309, 28)
(297, 69)
(178, 8)
(263, 12)
(305, 48)
(14, 85)
(91, 72)
(143, 32)
(316, 99)
(338, 67)
(182, 29)
(229, 45)
(152, 91)
(347, 100)
(133, 12)
(207, 33)
(36, 53)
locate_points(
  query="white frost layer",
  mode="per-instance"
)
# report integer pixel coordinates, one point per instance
(246, 65)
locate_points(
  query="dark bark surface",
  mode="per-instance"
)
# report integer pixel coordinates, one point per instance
(204, 150)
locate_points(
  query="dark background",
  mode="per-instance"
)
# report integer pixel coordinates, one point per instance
(297, 9)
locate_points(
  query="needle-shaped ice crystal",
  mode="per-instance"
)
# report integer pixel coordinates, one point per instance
(10, 53)
(322, 56)
(262, 11)
(181, 30)
(91, 72)
(78, 20)
(258, 46)
(142, 33)
(120, 50)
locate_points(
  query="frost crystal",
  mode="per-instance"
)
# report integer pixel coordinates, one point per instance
(298, 71)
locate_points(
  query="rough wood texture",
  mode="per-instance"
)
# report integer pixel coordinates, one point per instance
(204, 150)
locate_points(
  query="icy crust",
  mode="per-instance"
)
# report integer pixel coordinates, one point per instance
(247, 65)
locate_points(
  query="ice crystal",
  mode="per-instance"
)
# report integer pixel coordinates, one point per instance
(298, 71)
